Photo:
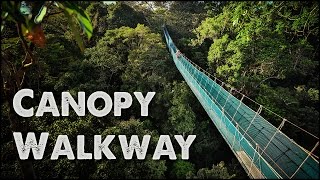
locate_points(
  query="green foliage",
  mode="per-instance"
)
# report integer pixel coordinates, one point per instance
(72, 11)
(81, 16)
(121, 14)
(268, 50)
(295, 105)
(245, 45)
(28, 15)
(181, 168)
(218, 171)
(313, 94)
(98, 12)
(134, 168)
(207, 145)
(181, 116)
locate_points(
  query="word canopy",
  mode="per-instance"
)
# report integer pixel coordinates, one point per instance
(67, 100)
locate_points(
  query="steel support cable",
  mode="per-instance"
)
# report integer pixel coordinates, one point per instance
(241, 128)
(256, 151)
(241, 101)
(247, 96)
(257, 113)
(222, 83)
(247, 134)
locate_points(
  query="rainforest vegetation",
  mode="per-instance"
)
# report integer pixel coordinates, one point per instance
(268, 50)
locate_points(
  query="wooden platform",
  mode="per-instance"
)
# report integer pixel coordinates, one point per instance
(254, 172)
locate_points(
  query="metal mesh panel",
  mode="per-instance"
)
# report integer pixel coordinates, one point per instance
(244, 129)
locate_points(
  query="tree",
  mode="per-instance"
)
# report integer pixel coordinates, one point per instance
(134, 168)
(181, 116)
(181, 168)
(268, 50)
(207, 145)
(218, 171)
(121, 14)
(28, 18)
(260, 47)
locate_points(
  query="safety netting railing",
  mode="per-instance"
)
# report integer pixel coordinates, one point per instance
(262, 148)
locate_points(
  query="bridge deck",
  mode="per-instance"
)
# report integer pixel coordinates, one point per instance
(244, 130)
(254, 172)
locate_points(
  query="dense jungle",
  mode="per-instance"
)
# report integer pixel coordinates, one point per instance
(268, 50)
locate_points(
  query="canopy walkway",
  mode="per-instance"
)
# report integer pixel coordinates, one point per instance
(263, 150)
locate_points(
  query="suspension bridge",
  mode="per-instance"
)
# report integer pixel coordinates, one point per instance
(263, 150)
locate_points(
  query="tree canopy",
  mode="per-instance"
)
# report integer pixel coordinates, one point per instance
(266, 49)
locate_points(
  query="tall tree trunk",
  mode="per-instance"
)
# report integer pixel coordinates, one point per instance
(12, 81)
(17, 125)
